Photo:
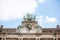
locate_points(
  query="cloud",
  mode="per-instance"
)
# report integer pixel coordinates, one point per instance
(40, 19)
(46, 20)
(42, 1)
(11, 9)
(52, 20)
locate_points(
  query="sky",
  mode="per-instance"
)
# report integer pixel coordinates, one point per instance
(47, 12)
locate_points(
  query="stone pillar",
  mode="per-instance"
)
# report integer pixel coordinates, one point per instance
(36, 38)
(1, 38)
(56, 38)
(21, 38)
(4, 38)
(18, 38)
(39, 38)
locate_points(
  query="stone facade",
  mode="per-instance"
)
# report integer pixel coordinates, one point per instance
(32, 34)
(29, 30)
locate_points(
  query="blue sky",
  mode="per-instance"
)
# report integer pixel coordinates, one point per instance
(47, 12)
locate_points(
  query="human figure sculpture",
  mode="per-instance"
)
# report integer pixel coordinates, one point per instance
(29, 17)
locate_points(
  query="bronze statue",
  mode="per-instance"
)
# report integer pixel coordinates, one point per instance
(29, 17)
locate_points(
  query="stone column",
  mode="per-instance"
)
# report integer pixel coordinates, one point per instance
(21, 38)
(37, 38)
(4, 38)
(18, 38)
(56, 38)
(1, 38)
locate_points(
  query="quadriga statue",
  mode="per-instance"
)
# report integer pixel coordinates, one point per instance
(29, 17)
